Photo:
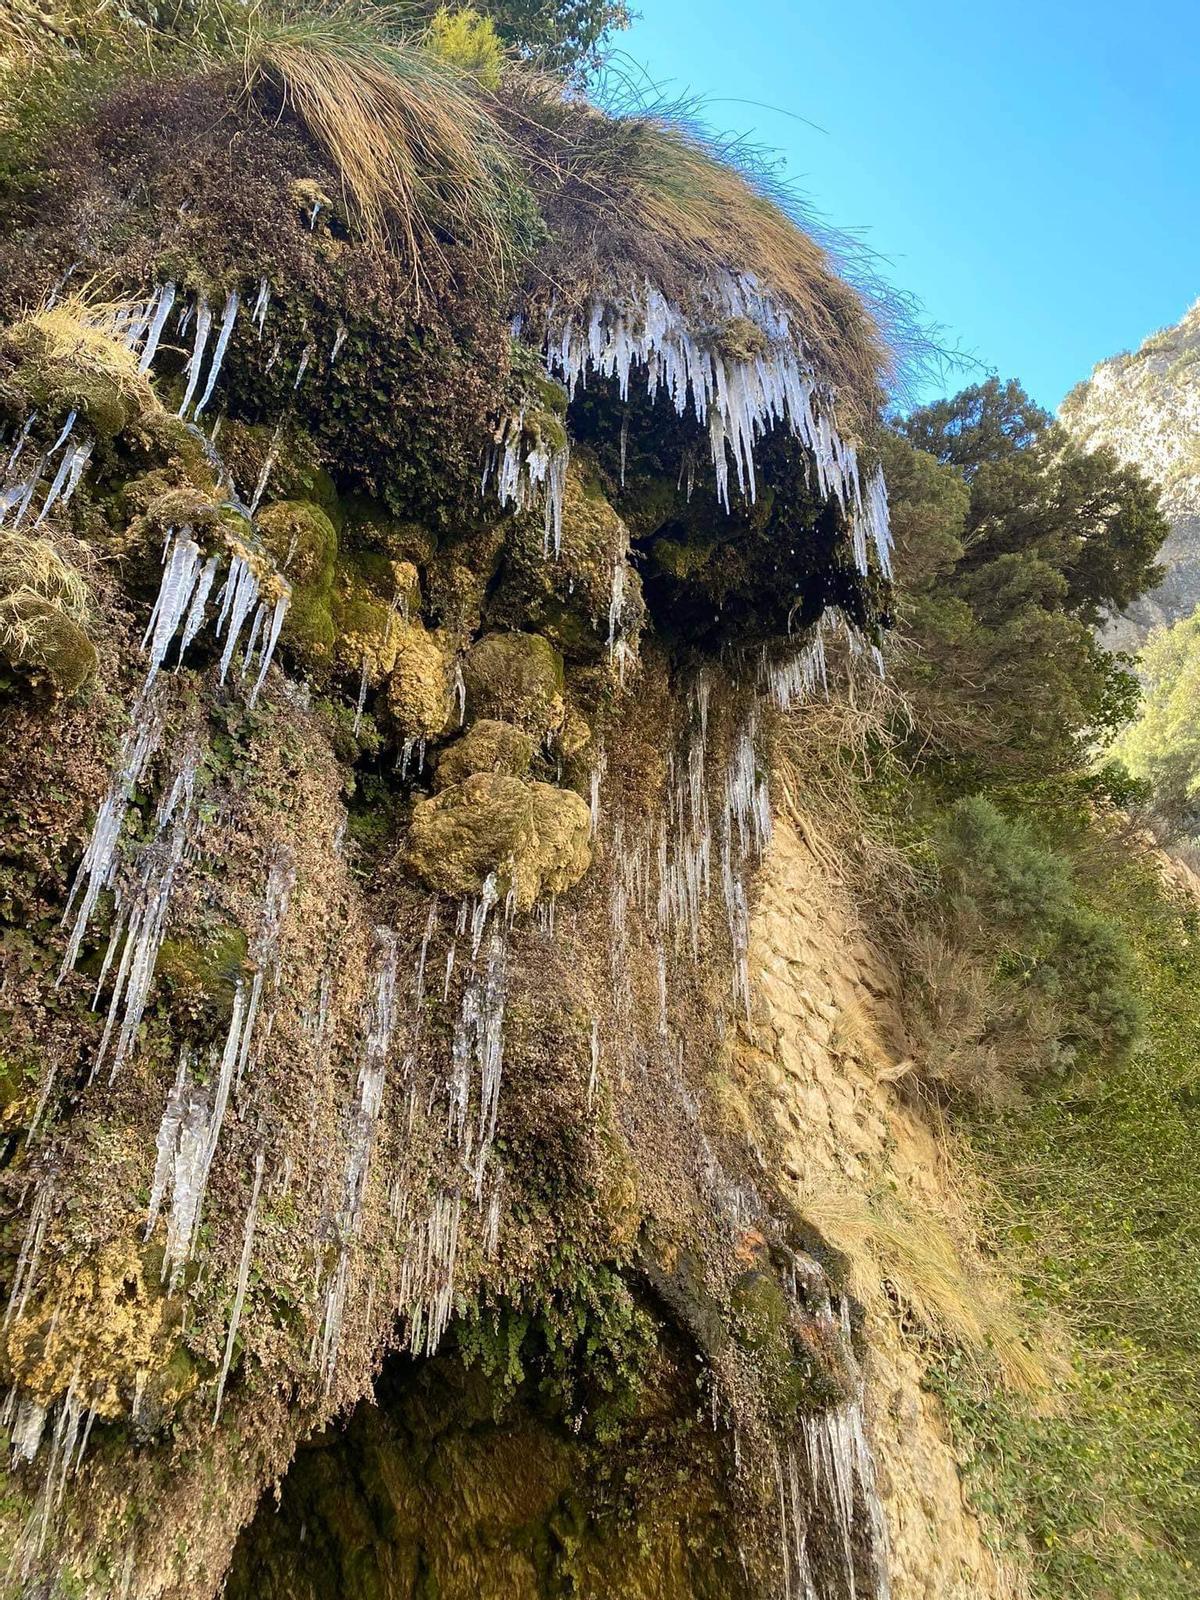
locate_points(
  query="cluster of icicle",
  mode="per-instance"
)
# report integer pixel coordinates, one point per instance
(428, 1234)
(142, 895)
(195, 1112)
(25, 469)
(825, 1483)
(184, 1149)
(738, 400)
(526, 477)
(139, 327)
(26, 1419)
(686, 841)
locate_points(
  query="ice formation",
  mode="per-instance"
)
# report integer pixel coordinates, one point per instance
(523, 478)
(378, 1026)
(739, 400)
(243, 1278)
(228, 318)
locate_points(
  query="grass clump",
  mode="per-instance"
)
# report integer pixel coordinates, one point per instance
(894, 1246)
(72, 356)
(44, 607)
(420, 155)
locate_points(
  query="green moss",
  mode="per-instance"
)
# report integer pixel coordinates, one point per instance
(38, 638)
(532, 836)
(207, 970)
(96, 380)
(303, 543)
(517, 678)
(487, 746)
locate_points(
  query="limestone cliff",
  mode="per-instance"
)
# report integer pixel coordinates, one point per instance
(1145, 405)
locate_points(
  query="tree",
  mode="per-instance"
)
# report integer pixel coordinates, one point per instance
(1009, 541)
(1037, 495)
(561, 36)
(1163, 745)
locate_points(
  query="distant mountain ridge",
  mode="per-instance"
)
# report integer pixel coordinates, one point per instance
(1145, 404)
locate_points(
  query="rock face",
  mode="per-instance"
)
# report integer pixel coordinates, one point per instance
(379, 857)
(1145, 405)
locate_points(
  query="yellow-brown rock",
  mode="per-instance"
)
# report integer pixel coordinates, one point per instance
(534, 837)
(419, 690)
(517, 678)
(487, 746)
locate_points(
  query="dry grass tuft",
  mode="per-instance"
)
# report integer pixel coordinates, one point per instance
(33, 565)
(420, 155)
(652, 193)
(891, 1245)
(87, 336)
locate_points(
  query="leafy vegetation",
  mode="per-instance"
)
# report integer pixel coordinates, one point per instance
(1161, 747)
(1049, 968)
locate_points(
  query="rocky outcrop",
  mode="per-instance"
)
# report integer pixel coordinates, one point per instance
(1145, 405)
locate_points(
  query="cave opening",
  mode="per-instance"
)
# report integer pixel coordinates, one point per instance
(470, 1478)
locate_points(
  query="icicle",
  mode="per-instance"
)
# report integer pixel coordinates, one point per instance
(305, 357)
(593, 1076)
(96, 868)
(239, 597)
(358, 712)
(203, 324)
(162, 310)
(60, 478)
(264, 476)
(168, 1138)
(339, 340)
(228, 318)
(278, 612)
(258, 316)
(243, 1278)
(180, 573)
(27, 1430)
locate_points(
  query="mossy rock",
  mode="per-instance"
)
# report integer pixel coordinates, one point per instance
(487, 746)
(103, 1322)
(38, 637)
(77, 369)
(303, 543)
(532, 836)
(799, 1363)
(517, 678)
(366, 628)
(296, 470)
(419, 687)
(369, 527)
(204, 971)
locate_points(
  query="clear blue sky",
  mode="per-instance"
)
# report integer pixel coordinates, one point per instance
(1030, 170)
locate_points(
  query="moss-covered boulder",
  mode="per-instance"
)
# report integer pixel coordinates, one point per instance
(534, 837)
(487, 746)
(419, 687)
(102, 1323)
(303, 543)
(39, 638)
(517, 678)
(62, 359)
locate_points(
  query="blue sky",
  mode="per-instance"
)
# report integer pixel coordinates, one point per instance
(1030, 171)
